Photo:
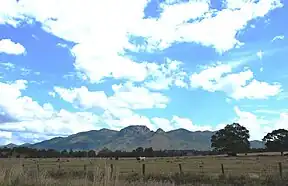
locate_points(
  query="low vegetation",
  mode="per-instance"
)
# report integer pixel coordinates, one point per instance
(241, 170)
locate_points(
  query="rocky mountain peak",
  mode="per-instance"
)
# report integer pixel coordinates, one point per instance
(135, 129)
(160, 131)
(10, 145)
(106, 130)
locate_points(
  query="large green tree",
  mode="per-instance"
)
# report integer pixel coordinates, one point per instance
(277, 140)
(234, 138)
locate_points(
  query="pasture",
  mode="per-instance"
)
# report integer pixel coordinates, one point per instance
(250, 167)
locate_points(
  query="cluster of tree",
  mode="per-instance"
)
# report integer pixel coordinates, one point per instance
(148, 152)
(234, 139)
(27, 152)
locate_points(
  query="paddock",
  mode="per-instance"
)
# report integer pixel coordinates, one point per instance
(209, 165)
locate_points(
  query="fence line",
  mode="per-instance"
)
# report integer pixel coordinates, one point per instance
(143, 169)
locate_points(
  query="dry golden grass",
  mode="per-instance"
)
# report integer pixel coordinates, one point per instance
(252, 170)
(207, 165)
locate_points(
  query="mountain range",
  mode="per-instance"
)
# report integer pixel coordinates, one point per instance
(130, 138)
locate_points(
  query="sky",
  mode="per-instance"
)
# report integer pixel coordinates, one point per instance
(70, 66)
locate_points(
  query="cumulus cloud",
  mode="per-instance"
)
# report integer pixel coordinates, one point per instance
(236, 85)
(138, 97)
(259, 126)
(5, 137)
(257, 90)
(82, 97)
(9, 47)
(162, 77)
(119, 118)
(35, 118)
(125, 96)
(208, 27)
(62, 123)
(162, 123)
(100, 51)
(178, 122)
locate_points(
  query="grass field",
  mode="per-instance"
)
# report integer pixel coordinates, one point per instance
(195, 170)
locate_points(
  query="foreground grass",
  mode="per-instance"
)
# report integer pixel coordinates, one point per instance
(210, 165)
(206, 171)
(16, 176)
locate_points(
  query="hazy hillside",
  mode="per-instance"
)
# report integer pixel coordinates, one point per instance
(132, 137)
(257, 144)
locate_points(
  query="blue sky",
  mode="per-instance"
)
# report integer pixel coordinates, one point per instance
(74, 66)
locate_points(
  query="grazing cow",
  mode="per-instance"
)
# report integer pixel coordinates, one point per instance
(140, 158)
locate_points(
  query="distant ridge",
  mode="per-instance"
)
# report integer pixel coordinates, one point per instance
(130, 138)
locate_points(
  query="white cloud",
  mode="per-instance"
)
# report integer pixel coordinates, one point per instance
(282, 122)
(5, 137)
(165, 75)
(43, 119)
(99, 50)
(22, 107)
(236, 4)
(4, 134)
(125, 96)
(118, 119)
(162, 123)
(186, 123)
(213, 28)
(62, 123)
(259, 126)
(82, 97)
(139, 97)
(280, 37)
(9, 47)
(208, 78)
(178, 122)
(236, 85)
(97, 65)
(257, 90)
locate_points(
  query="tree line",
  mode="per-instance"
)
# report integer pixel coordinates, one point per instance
(232, 139)
(26, 152)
